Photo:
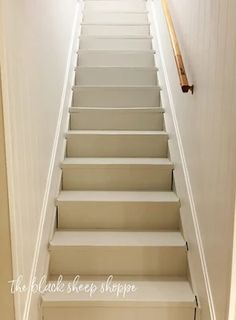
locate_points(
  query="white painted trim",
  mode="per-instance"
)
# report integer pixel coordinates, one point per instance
(170, 99)
(60, 129)
(232, 301)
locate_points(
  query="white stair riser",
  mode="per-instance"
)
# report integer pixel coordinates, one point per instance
(116, 76)
(93, 43)
(115, 18)
(120, 6)
(115, 30)
(117, 177)
(126, 59)
(116, 97)
(117, 145)
(117, 313)
(118, 260)
(116, 119)
(118, 215)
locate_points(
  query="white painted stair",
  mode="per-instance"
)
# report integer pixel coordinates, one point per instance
(116, 76)
(116, 96)
(117, 174)
(117, 212)
(118, 252)
(91, 17)
(116, 143)
(139, 119)
(115, 30)
(115, 42)
(114, 5)
(165, 298)
(119, 58)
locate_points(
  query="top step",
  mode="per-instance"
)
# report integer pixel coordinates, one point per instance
(111, 6)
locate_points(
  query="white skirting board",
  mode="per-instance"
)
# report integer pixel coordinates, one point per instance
(199, 274)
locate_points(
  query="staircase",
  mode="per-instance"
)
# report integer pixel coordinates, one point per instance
(117, 212)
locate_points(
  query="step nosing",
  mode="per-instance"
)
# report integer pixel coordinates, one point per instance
(117, 132)
(122, 161)
(65, 239)
(114, 245)
(130, 68)
(119, 196)
(117, 86)
(120, 51)
(114, 24)
(115, 37)
(107, 12)
(121, 302)
(115, 109)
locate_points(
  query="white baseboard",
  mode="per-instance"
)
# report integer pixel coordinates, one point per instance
(48, 213)
(196, 256)
(232, 300)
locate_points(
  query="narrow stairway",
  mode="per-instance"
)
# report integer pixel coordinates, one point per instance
(117, 212)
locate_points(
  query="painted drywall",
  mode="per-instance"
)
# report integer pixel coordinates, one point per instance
(206, 123)
(35, 40)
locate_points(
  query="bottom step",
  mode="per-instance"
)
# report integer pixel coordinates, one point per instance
(147, 298)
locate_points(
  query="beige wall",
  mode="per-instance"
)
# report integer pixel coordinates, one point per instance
(6, 301)
(206, 122)
(35, 39)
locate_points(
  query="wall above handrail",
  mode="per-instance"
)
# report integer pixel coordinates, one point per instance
(176, 48)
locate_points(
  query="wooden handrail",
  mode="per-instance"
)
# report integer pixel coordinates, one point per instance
(177, 53)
